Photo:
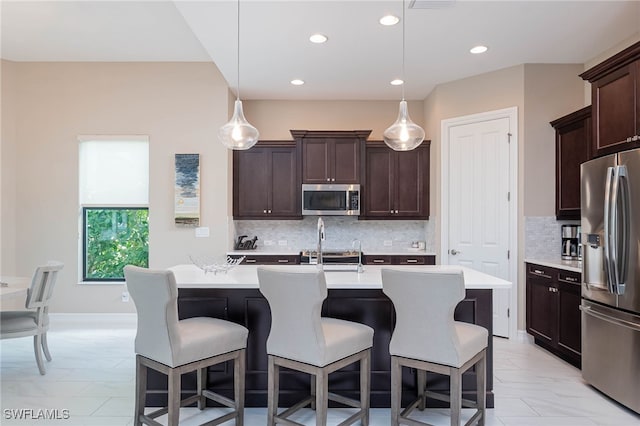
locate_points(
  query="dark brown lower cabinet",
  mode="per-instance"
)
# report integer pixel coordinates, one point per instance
(553, 311)
(421, 259)
(249, 308)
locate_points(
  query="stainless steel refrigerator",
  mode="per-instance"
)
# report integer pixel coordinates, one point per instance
(610, 194)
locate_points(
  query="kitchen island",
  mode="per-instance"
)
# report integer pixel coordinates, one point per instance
(352, 296)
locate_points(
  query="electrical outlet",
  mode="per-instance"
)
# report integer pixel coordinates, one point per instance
(282, 242)
(202, 232)
(125, 296)
(268, 242)
(388, 243)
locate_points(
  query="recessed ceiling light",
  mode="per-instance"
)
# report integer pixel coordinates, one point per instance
(397, 82)
(297, 82)
(389, 20)
(478, 49)
(318, 38)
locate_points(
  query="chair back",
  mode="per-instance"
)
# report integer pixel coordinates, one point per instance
(41, 290)
(295, 300)
(424, 302)
(155, 295)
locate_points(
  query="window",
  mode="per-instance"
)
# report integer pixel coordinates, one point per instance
(114, 198)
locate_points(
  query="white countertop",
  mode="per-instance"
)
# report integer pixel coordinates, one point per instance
(245, 276)
(567, 265)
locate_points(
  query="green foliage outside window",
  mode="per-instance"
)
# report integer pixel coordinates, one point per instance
(114, 238)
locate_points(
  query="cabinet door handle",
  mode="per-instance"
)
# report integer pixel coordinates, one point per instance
(629, 139)
(396, 211)
(538, 271)
(378, 260)
(250, 261)
(333, 179)
(636, 137)
(391, 212)
(283, 260)
(264, 211)
(269, 211)
(412, 260)
(328, 179)
(571, 279)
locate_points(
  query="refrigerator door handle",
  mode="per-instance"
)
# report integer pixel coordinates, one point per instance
(627, 324)
(621, 230)
(608, 216)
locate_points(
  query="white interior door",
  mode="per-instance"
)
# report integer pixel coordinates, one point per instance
(478, 196)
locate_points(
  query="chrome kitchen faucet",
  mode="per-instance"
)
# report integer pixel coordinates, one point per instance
(320, 240)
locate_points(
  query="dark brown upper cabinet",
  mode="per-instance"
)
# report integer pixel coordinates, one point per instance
(330, 156)
(396, 184)
(266, 181)
(573, 146)
(615, 94)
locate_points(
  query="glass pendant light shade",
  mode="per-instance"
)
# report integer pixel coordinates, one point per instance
(404, 134)
(238, 133)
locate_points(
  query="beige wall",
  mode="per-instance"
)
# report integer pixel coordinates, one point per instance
(541, 93)
(550, 91)
(8, 168)
(180, 106)
(274, 119)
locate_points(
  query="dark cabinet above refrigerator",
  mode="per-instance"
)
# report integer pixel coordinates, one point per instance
(615, 96)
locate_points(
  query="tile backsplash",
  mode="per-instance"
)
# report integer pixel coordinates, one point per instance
(542, 237)
(340, 231)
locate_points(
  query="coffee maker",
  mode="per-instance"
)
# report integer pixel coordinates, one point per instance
(571, 242)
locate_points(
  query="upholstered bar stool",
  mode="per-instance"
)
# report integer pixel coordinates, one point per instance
(427, 338)
(301, 340)
(174, 347)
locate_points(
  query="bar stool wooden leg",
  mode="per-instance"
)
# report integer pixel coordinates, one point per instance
(201, 376)
(272, 392)
(322, 397)
(481, 383)
(422, 393)
(313, 391)
(365, 387)
(141, 390)
(396, 390)
(238, 386)
(456, 395)
(173, 404)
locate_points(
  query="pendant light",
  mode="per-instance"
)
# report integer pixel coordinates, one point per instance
(404, 134)
(238, 133)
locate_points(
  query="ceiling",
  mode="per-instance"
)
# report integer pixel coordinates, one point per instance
(359, 60)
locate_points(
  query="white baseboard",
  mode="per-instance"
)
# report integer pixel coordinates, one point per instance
(86, 320)
(524, 337)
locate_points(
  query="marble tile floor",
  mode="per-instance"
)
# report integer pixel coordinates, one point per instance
(92, 376)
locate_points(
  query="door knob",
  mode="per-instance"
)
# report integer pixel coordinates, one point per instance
(454, 252)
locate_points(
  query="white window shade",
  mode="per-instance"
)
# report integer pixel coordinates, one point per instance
(114, 170)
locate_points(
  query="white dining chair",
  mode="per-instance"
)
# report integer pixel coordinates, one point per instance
(35, 320)
(427, 338)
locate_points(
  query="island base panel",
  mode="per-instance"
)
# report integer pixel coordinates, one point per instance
(371, 307)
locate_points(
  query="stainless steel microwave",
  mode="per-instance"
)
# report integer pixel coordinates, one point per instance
(330, 200)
